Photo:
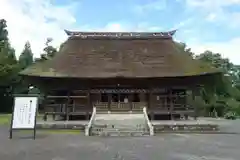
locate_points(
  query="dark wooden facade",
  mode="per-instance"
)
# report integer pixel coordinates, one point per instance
(163, 98)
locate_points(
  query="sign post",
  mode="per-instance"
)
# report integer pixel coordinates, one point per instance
(24, 114)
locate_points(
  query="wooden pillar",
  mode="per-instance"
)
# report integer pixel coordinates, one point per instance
(67, 106)
(89, 99)
(194, 94)
(130, 100)
(171, 104)
(119, 97)
(150, 104)
(89, 105)
(150, 99)
(109, 101)
(165, 105)
(141, 97)
(44, 106)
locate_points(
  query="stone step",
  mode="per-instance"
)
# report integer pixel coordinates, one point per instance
(132, 123)
(125, 122)
(121, 133)
(119, 112)
(114, 125)
(119, 129)
(119, 125)
(119, 116)
(120, 120)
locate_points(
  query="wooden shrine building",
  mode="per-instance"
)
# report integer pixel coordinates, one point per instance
(120, 72)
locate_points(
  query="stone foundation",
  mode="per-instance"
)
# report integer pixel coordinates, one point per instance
(61, 125)
(186, 128)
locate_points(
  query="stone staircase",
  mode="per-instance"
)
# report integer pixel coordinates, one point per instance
(119, 125)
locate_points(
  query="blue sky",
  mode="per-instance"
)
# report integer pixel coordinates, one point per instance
(202, 24)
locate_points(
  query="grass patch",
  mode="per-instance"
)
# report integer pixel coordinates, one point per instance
(5, 119)
(52, 131)
(60, 131)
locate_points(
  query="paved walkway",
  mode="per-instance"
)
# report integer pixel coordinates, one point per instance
(79, 147)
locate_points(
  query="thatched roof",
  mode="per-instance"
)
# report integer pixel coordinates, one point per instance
(109, 55)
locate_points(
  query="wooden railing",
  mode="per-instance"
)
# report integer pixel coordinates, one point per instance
(120, 106)
(103, 106)
(64, 108)
(138, 106)
(173, 108)
(55, 108)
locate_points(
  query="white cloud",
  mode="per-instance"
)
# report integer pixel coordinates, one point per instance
(155, 5)
(228, 19)
(230, 49)
(215, 10)
(212, 4)
(34, 21)
(211, 17)
(183, 23)
(233, 20)
(122, 27)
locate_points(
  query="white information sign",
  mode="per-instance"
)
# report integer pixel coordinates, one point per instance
(24, 112)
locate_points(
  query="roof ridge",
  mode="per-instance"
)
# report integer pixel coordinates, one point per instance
(119, 35)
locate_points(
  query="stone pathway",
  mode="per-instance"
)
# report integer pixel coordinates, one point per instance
(75, 147)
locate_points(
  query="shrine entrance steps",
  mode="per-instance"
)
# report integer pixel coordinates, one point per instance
(119, 124)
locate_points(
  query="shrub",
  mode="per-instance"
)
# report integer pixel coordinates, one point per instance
(230, 115)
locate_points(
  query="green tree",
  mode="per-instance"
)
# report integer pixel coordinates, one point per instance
(48, 51)
(8, 62)
(225, 96)
(8, 69)
(25, 60)
(182, 47)
(26, 57)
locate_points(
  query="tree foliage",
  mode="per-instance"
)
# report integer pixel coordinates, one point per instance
(48, 51)
(8, 68)
(226, 97)
(26, 57)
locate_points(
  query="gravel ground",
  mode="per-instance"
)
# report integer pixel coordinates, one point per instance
(79, 147)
